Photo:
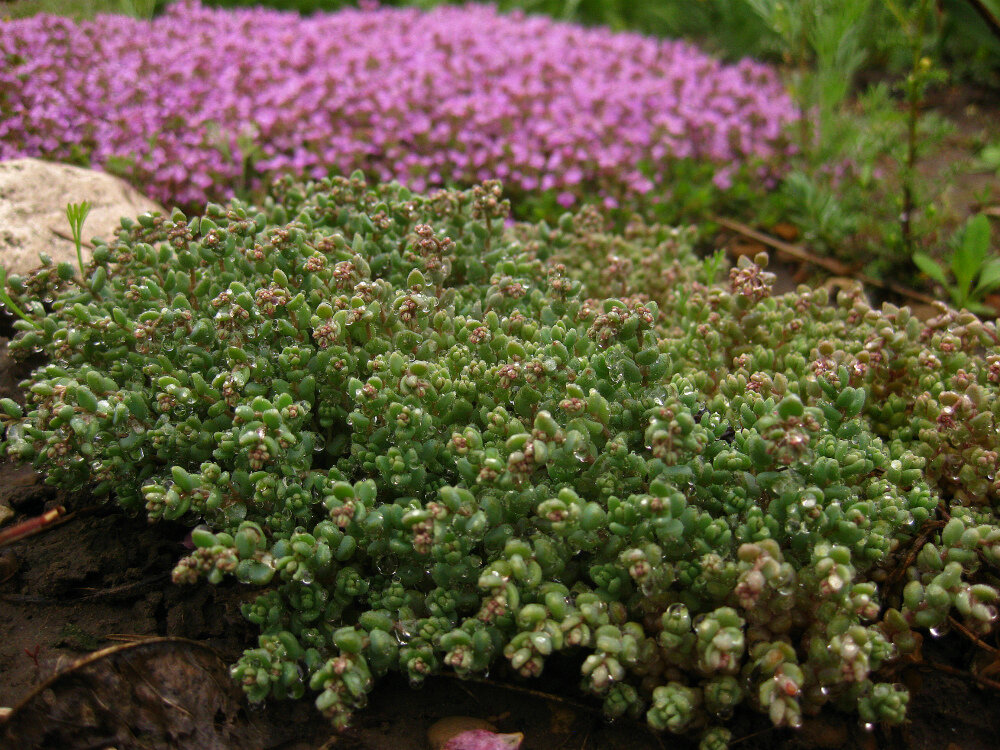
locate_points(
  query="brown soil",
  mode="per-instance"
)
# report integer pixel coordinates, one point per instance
(100, 578)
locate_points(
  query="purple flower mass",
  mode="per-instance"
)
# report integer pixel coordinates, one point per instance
(455, 95)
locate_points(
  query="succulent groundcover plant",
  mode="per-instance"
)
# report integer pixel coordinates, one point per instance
(190, 104)
(436, 441)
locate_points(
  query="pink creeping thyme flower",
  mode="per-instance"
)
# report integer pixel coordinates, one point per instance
(458, 94)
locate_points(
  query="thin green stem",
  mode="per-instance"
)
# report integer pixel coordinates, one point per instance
(76, 214)
(914, 26)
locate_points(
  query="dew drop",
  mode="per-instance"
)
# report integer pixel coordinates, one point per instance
(939, 630)
(387, 564)
(676, 610)
(404, 631)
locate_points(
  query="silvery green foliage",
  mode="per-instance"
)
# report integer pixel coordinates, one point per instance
(436, 442)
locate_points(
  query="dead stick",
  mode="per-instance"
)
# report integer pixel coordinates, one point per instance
(959, 673)
(930, 528)
(128, 637)
(833, 266)
(972, 636)
(65, 236)
(521, 689)
(752, 735)
(125, 589)
(32, 526)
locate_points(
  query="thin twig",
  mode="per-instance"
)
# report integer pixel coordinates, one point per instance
(985, 681)
(68, 237)
(972, 636)
(797, 252)
(469, 693)
(520, 689)
(28, 599)
(752, 735)
(34, 525)
(915, 548)
(833, 266)
(125, 589)
(128, 637)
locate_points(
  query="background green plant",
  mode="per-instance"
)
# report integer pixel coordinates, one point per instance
(81, 8)
(969, 272)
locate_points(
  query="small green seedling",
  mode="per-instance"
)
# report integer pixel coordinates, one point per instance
(76, 214)
(975, 273)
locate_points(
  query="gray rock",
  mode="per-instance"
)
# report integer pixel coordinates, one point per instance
(33, 198)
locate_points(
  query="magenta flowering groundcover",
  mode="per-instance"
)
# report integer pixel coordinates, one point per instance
(187, 104)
